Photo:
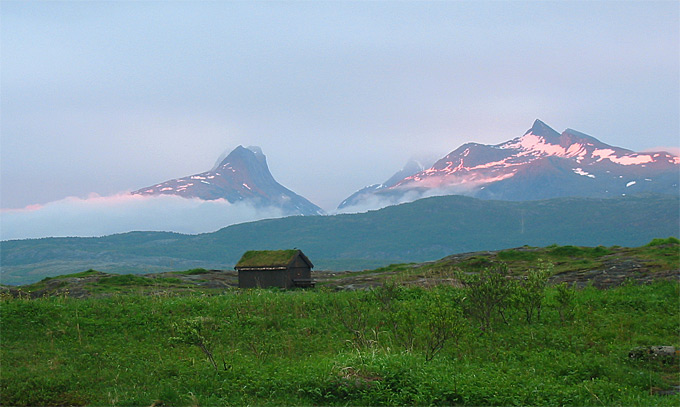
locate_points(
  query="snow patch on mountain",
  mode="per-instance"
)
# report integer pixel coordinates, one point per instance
(628, 159)
(580, 171)
(531, 144)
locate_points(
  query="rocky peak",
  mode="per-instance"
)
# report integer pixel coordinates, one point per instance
(541, 129)
(243, 175)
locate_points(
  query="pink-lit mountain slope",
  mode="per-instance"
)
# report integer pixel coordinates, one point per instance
(243, 176)
(540, 164)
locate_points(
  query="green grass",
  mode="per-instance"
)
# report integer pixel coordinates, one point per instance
(192, 272)
(659, 254)
(392, 268)
(515, 255)
(660, 241)
(576, 251)
(42, 284)
(476, 263)
(662, 253)
(125, 280)
(266, 258)
(318, 347)
(87, 273)
(131, 283)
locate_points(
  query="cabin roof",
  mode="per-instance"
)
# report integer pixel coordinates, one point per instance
(270, 259)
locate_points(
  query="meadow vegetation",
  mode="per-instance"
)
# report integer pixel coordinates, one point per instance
(659, 255)
(489, 340)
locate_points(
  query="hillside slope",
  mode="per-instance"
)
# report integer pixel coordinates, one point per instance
(424, 230)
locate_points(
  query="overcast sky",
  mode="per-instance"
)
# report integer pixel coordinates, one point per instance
(107, 97)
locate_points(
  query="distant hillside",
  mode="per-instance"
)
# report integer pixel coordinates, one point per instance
(424, 230)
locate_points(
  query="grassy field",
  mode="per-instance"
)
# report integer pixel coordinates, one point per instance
(392, 345)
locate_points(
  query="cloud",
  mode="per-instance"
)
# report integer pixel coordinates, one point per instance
(375, 201)
(675, 150)
(98, 216)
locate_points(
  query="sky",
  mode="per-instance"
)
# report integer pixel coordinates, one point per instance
(98, 98)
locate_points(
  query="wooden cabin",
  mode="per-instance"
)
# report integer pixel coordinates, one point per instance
(274, 268)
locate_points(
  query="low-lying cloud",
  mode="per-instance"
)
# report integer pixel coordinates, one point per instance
(375, 201)
(98, 216)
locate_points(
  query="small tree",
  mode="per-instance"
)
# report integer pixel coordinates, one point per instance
(530, 292)
(191, 332)
(444, 322)
(355, 313)
(488, 294)
(399, 315)
(387, 294)
(565, 302)
(403, 322)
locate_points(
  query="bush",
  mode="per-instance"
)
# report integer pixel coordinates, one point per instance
(193, 271)
(515, 254)
(575, 251)
(125, 280)
(658, 242)
(488, 295)
(530, 291)
(565, 302)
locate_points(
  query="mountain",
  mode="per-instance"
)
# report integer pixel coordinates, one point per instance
(427, 229)
(411, 167)
(540, 164)
(243, 176)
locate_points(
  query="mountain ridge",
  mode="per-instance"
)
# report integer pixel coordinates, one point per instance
(591, 168)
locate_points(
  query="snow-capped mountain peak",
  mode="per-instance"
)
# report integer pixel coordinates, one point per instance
(543, 141)
(541, 163)
(544, 131)
(242, 176)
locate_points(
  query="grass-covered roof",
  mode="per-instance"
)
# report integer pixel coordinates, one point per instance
(269, 258)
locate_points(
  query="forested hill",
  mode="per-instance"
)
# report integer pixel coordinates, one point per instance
(423, 230)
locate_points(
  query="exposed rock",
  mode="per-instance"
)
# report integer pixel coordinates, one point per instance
(664, 353)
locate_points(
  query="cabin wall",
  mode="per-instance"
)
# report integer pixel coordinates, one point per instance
(300, 268)
(301, 272)
(265, 278)
(299, 263)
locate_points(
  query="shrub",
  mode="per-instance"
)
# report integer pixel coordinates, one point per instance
(193, 271)
(192, 332)
(444, 322)
(515, 254)
(488, 294)
(530, 292)
(575, 251)
(658, 242)
(124, 279)
(565, 302)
